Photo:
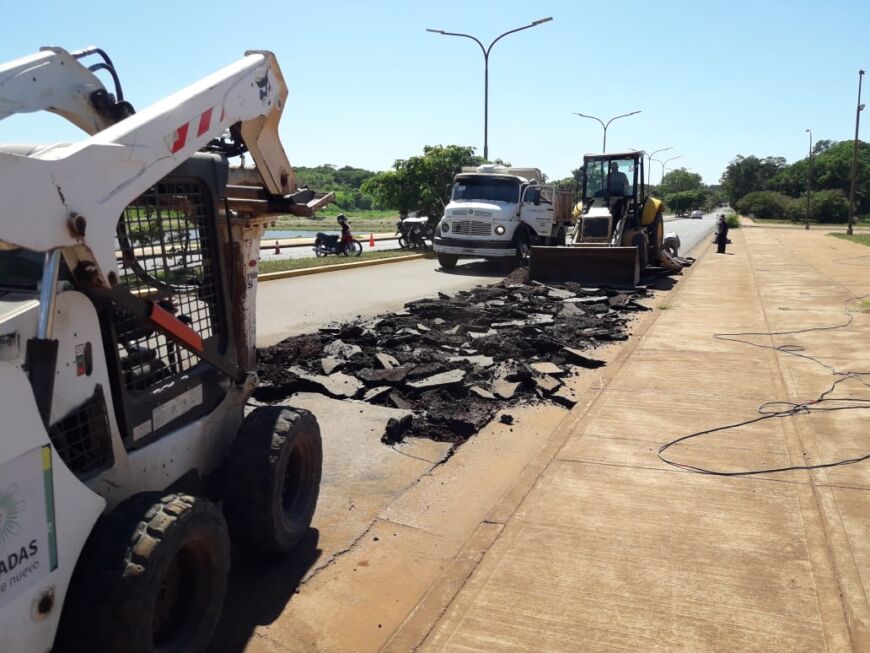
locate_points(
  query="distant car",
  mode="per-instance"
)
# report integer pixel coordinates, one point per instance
(696, 214)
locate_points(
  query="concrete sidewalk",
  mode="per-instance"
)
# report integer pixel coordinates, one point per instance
(605, 548)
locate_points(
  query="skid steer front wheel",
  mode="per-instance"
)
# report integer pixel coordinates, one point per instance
(273, 478)
(152, 577)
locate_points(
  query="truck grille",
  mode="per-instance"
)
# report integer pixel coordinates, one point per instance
(472, 228)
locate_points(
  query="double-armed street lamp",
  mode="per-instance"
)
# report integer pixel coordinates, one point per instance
(809, 176)
(665, 165)
(650, 160)
(605, 125)
(855, 155)
(486, 51)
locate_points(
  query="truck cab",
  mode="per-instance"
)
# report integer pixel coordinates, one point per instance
(497, 212)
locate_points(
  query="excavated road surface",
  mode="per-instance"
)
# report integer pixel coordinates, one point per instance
(454, 362)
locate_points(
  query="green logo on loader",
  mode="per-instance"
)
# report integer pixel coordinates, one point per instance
(11, 508)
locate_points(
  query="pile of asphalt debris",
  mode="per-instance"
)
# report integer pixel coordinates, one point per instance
(454, 362)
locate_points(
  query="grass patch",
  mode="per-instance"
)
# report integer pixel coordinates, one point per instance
(314, 262)
(865, 305)
(861, 239)
(665, 307)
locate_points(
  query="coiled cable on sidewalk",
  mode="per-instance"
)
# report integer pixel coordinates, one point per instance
(778, 409)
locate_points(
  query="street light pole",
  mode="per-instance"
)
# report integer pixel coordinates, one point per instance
(606, 125)
(855, 155)
(486, 51)
(809, 176)
(664, 165)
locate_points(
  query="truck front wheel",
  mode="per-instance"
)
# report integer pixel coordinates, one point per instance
(447, 261)
(152, 577)
(524, 242)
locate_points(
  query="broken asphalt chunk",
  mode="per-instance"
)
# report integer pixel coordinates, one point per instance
(576, 357)
(481, 392)
(396, 429)
(545, 367)
(451, 377)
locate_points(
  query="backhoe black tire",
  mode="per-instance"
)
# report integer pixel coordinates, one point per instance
(447, 261)
(152, 577)
(641, 243)
(273, 479)
(657, 236)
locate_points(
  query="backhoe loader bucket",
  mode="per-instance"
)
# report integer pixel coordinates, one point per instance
(589, 265)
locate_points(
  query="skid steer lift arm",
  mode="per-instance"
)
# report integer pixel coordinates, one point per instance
(55, 80)
(91, 182)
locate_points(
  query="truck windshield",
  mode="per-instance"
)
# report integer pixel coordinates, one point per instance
(489, 189)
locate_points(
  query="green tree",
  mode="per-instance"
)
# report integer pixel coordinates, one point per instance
(764, 204)
(748, 174)
(679, 180)
(420, 184)
(683, 201)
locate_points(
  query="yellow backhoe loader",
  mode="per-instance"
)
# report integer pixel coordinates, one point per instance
(619, 229)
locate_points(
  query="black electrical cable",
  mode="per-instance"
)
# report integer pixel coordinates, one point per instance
(768, 409)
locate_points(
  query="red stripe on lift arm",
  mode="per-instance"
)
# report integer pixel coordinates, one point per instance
(180, 138)
(204, 122)
(176, 327)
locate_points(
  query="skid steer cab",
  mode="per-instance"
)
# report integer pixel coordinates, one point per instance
(619, 231)
(128, 276)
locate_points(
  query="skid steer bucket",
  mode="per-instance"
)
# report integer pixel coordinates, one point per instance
(589, 265)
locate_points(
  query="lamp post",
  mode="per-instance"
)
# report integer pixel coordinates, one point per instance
(605, 125)
(486, 51)
(855, 155)
(809, 176)
(664, 165)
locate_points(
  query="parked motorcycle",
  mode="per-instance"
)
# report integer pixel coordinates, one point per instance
(413, 233)
(343, 245)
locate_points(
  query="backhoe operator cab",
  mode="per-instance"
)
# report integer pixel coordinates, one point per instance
(128, 272)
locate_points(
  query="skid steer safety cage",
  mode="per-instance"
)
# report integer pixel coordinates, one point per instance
(166, 247)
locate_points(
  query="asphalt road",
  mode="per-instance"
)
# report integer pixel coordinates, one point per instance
(298, 305)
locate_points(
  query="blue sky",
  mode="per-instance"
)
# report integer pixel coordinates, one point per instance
(369, 85)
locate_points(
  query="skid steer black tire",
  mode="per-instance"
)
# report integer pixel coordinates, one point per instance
(447, 261)
(273, 478)
(152, 577)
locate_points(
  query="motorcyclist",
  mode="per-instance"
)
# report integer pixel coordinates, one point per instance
(345, 227)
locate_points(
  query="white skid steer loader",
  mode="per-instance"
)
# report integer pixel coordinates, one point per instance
(128, 269)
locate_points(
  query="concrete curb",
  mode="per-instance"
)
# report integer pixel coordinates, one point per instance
(302, 272)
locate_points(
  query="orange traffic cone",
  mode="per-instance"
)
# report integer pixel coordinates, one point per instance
(372, 240)
(277, 248)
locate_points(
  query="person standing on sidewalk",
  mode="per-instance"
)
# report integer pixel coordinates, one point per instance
(721, 235)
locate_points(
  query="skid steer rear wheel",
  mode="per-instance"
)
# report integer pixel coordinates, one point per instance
(273, 478)
(152, 577)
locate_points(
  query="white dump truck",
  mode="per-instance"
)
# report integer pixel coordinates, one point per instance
(498, 212)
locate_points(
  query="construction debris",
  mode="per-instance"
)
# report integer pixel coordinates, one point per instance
(455, 361)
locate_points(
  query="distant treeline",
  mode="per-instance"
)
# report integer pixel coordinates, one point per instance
(768, 187)
(346, 182)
